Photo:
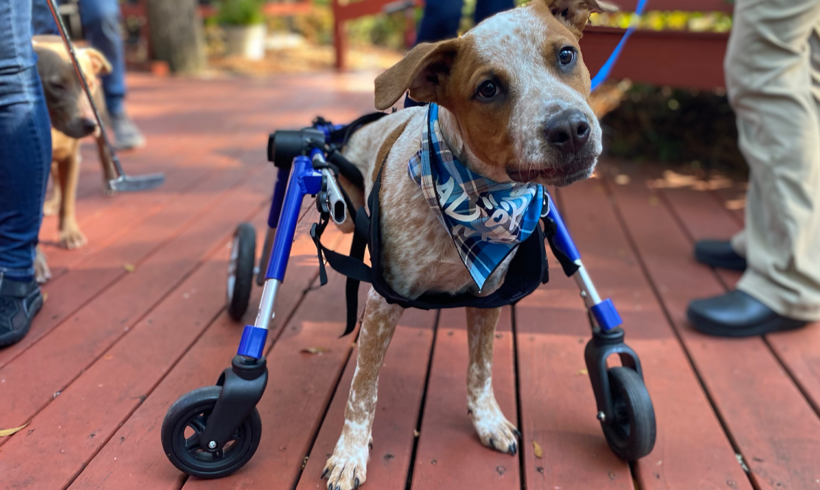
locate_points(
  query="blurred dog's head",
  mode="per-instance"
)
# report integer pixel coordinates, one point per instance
(518, 88)
(67, 104)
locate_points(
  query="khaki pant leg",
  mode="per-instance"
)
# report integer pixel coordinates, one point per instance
(773, 84)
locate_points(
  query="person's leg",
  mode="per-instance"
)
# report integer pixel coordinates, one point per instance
(488, 8)
(440, 21)
(769, 79)
(42, 22)
(25, 158)
(101, 27)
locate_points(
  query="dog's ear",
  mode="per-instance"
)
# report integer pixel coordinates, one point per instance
(575, 13)
(99, 63)
(423, 71)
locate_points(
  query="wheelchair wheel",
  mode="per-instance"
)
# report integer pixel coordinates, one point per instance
(184, 424)
(631, 435)
(240, 270)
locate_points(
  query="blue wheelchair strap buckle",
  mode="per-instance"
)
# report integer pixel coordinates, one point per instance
(606, 315)
(253, 342)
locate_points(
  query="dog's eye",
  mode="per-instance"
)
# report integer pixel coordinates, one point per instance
(566, 55)
(487, 90)
(57, 86)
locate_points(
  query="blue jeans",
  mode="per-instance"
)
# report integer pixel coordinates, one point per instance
(25, 142)
(442, 17)
(101, 28)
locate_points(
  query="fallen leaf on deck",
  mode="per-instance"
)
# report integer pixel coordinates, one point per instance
(653, 201)
(8, 432)
(416, 433)
(129, 267)
(45, 297)
(582, 372)
(315, 350)
(536, 448)
(622, 179)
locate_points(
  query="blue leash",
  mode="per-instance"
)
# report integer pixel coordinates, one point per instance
(603, 73)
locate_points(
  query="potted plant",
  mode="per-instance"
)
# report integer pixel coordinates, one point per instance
(244, 26)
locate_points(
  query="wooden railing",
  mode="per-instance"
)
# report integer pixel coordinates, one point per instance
(344, 11)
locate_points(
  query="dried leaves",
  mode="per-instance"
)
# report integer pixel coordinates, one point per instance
(8, 432)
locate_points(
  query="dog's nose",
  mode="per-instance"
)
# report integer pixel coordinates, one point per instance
(568, 131)
(88, 125)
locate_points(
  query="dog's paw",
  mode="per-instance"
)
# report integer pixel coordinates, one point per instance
(495, 430)
(72, 238)
(347, 468)
(41, 271)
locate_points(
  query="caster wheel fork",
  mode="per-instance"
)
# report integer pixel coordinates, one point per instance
(625, 408)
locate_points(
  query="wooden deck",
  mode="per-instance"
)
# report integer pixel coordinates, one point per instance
(137, 318)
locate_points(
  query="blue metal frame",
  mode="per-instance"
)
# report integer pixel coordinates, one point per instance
(602, 310)
(304, 180)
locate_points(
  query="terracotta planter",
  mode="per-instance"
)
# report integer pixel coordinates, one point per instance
(246, 41)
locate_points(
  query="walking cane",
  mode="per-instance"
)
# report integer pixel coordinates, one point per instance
(123, 182)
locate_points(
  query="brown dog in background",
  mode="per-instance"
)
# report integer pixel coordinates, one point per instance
(71, 119)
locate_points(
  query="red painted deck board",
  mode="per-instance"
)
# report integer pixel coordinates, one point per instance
(557, 404)
(401, 387)
(298, 392)
(669, 377)
(52, 363)
(449, 453)
(771, 423)
(122, 464)
(712, 396)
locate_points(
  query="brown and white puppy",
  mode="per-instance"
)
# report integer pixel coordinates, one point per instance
(71, 119)
(513, 95)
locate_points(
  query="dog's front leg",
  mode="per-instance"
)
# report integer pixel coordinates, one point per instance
(69, 173)
(493, 428)
(347, 468)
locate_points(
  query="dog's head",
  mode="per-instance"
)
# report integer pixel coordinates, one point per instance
(518, 89)
(67, 104)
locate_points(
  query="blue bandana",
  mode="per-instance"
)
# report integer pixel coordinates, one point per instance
(487, 220)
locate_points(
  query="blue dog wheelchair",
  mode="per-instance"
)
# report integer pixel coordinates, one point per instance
(213, 431)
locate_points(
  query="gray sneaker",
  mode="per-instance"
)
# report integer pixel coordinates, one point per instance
(19, 302)
(126, 133)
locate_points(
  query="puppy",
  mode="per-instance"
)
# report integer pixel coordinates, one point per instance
(513, 107)
(71, 119)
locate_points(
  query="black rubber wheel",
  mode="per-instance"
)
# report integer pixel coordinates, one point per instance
(185, 422)
(632, 434)
(240, 270)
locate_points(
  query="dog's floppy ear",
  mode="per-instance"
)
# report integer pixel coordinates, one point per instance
(99, 63)
(575, 13)
(422, 71)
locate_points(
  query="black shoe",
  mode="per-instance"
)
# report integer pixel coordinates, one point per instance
(736, 314)
(719, 253)
(19, 302)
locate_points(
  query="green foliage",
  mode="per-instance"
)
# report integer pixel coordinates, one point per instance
(380, 30)
(240, 12)
(666, 21)
(666, 125)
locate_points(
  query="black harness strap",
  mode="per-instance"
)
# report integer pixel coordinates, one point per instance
(343, 134)
(521, 279)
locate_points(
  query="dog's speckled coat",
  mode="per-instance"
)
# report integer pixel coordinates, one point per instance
(502, 138)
